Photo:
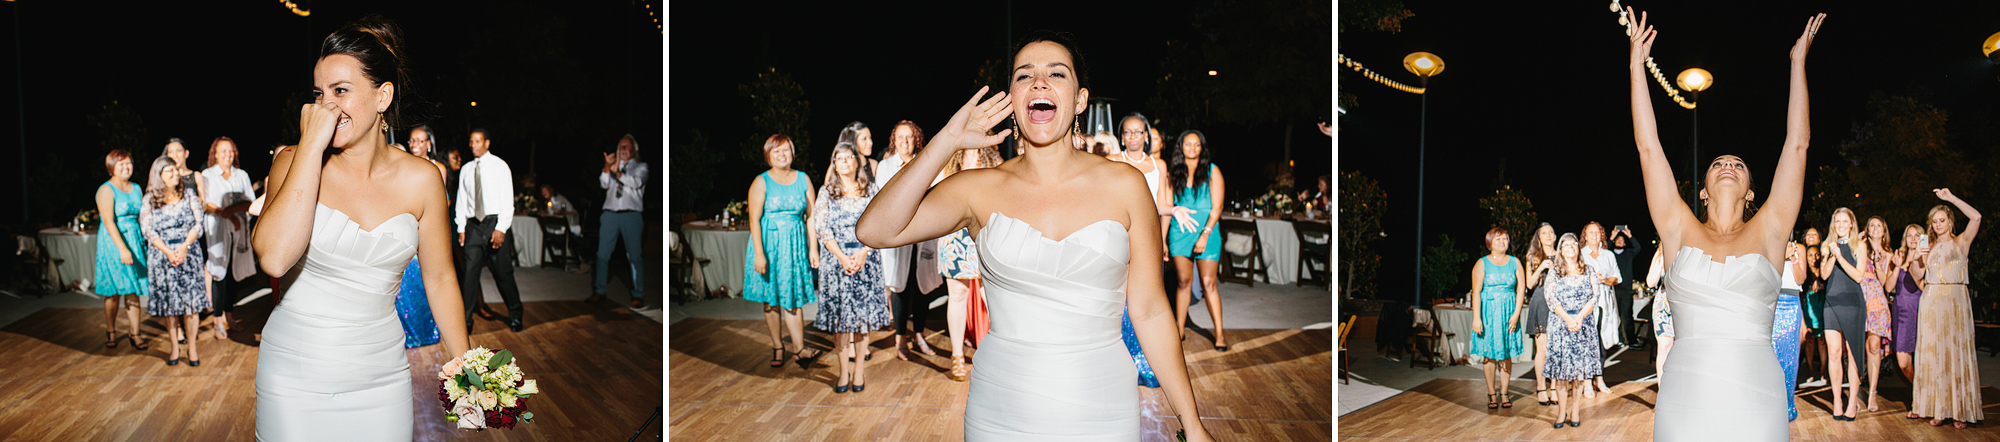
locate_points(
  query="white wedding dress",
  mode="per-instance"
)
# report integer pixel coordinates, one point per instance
(331, 366)
(1722, 382)
(1054, 366)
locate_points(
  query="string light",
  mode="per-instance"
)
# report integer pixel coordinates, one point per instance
(295, 8)
(1344, 61)
(1631, 28)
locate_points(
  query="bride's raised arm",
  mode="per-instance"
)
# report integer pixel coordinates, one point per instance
(295, 177)
(1663, 200)
(1788, 183)
(902, 214)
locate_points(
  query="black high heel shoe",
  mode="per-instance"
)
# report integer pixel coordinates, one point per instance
(806, 361)
(858, 387)
(1574, 424)
(840, 389)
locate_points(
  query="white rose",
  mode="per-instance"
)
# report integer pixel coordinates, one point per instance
(453, 391)
(470, 417)
(529, 388)
(508, 400)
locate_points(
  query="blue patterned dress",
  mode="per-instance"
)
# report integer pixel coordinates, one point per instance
(1497, 301)
(177, 289)
(414, 308)
(847, 303)
(1146, 376)
(1573, 355)
(114, 277)
(788, 279)
(958, 256)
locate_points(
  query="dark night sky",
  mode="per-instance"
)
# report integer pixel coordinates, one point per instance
(196, 70)
(1544, 88)
(879, 63)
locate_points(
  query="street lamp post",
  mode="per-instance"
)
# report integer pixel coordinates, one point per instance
(1424, 64)
(1695, 80)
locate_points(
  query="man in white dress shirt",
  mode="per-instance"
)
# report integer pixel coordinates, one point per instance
(624, 183)
(485, 203)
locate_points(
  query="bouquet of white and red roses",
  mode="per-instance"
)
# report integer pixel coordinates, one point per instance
(483, 389)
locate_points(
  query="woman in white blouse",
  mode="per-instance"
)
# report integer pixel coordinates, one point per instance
(1605, 264)
(229, 256)
(906, 287)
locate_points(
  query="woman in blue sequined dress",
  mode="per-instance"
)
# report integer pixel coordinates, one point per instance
(412, 307)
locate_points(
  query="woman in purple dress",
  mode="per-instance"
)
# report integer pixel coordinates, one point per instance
(1909, 291)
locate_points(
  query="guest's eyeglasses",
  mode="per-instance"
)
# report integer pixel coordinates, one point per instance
(1135, 132)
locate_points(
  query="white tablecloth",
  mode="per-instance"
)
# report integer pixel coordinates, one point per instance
(1280, 245)
(77, 252)
(724, 250)
(527, 233)
(1458, 322)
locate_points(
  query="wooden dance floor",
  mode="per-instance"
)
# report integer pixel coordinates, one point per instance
(1272, 385)
(599, 368)
(1455, 410)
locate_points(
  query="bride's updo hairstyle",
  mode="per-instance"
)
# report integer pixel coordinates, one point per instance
(377, 43)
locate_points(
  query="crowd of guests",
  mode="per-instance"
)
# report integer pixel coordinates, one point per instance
(803, 248)
(1862, 292)
(178, 244)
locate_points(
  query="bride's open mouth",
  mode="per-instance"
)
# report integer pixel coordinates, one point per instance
(1041, 111)
(344, 119)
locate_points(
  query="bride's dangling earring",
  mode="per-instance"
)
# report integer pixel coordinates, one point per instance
(384, 123)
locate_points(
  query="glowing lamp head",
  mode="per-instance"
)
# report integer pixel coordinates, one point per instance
(1424, 64)
(1992, 47)
(1695, 79)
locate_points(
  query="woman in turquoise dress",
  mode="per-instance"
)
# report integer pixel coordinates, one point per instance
(1497, 335)
(1198, 187)
(781, 273)
(121, 260)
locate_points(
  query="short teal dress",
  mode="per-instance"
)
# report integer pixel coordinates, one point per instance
(1180, 241)
(113, 276)
(1497, 301)
(788, 279)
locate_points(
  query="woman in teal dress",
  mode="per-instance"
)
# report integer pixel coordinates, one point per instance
(1497, 335)
(1198, 187)
(781, 275)
(121, 260)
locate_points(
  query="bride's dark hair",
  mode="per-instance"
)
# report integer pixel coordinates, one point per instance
(377, 43)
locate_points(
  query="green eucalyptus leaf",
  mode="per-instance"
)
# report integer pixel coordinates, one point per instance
(499, 359)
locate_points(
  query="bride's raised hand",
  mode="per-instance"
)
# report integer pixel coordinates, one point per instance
(316, 124)
(1641, 37)
(1806, 38)
(967, 128)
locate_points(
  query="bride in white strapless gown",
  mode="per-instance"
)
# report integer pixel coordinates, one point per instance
(1721, 382)
(331, 366)
(334, 347)
(1054, 358)
(1067, 240)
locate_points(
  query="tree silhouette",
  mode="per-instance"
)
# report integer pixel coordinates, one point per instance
(777, 106)
(1362, 207)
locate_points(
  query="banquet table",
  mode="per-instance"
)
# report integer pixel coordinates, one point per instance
(1457, 320)
(527, 233)
(78, 252)
(724, 247)
(1280, 247)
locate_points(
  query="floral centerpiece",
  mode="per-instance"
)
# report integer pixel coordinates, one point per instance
(736, 210)
(482, 389)
(85, 220)
(1274, 202)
